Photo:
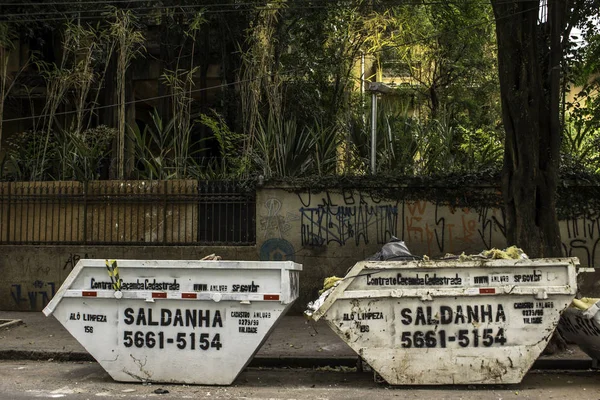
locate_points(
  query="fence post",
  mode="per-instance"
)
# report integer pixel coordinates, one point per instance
(8, 214)
(166, 197)
(85, 189)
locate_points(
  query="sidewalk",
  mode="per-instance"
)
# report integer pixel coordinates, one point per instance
(295, 342)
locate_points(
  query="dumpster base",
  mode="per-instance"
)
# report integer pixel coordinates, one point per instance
(154, 345)
(445, 367)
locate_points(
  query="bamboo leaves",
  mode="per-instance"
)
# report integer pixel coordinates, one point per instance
(128, 42)
(7, 46)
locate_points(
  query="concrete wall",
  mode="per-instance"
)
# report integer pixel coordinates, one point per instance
(30, 275)
(327, 232)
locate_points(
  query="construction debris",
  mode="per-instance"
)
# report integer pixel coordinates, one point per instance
(328, 283)
(511, 253)
(584, 303)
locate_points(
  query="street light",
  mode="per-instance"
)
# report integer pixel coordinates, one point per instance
(375, 88)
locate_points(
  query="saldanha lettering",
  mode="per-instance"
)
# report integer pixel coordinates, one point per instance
(459, 314)
(173, 317)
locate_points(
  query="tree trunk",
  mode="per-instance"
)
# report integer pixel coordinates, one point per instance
(435, 101)
(529, 88)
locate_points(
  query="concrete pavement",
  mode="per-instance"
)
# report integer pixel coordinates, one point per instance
(36, 380)
(295, 342)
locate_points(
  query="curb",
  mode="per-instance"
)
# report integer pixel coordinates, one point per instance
(557, 364)
(280, 362)
(34, 355)
(303, 362)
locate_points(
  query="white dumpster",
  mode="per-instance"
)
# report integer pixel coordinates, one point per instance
(195, 322)
(583, 328)
(450, 322)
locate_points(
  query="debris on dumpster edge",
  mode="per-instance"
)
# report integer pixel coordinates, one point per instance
(328, 283)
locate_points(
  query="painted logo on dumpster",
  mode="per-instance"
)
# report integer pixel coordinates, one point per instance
(414, 280)
(472, 322)
(458, 314)
(447, 278)
(145, 284)
(463, 337)
(173, 317)
(182, 339)
(446, 315)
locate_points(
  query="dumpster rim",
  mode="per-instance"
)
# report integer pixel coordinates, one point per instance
(483, 263)
(279, 266)
(355, 272)
(194, 264)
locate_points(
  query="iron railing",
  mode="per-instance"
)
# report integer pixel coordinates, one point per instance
(127, 213)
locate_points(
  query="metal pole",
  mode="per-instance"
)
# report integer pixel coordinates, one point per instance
(362, 73)
(373, 131)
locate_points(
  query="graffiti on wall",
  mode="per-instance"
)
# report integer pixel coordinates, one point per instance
(72, 261)
(441, 229)
(352, 217)
(492, 222)
(34, 296)
(581, 238)
(356, 218)
(274, 223)
(276, 249)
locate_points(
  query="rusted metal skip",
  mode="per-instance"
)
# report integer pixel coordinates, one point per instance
(450, 322)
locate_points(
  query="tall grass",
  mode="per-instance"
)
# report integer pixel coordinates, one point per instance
(128, 41)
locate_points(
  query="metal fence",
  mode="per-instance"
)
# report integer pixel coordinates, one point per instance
(127, 213)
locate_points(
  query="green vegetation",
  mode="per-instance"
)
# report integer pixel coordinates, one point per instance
(286, 101)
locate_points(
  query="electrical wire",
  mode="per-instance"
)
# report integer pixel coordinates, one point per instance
(139, 100)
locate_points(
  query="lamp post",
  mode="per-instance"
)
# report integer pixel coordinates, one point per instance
(375, 88)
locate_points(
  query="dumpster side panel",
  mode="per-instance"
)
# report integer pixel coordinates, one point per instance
(174, 321)
(496, 338)
(93, 324)
(451, 322)
(170, 341)
(450, 367)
